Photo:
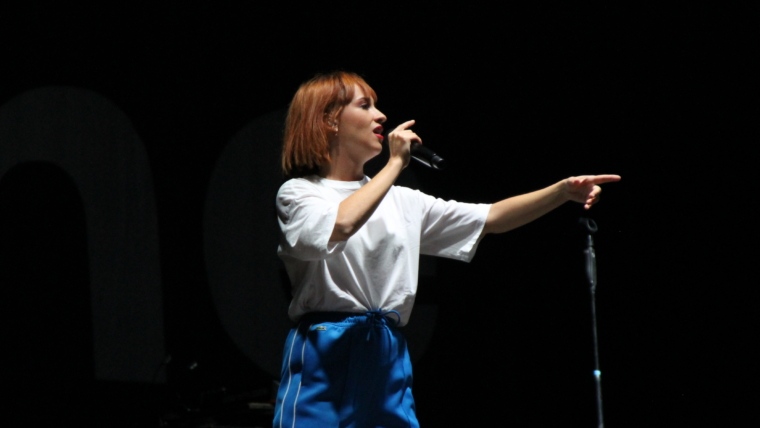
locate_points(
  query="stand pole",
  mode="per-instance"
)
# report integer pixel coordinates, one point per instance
(590, 226)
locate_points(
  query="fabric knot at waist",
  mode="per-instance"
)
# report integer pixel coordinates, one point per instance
(382, 318)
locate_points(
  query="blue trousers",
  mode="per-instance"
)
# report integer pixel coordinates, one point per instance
(346, 371)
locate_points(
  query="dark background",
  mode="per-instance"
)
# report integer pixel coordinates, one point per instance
(515, 98)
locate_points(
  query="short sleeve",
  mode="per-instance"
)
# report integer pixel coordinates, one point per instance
(452, 229)
(307, 218)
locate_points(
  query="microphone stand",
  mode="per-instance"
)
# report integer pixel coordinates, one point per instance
(590, 226)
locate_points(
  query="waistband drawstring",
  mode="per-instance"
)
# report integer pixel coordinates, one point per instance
(382, 318)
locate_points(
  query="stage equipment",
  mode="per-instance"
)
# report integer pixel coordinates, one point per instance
(590, 227)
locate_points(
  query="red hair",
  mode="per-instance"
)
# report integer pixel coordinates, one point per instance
(311, 117)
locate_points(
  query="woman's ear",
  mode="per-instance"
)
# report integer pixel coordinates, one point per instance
(333, 123)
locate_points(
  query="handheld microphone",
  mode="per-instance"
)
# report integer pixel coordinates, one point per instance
(426, 156)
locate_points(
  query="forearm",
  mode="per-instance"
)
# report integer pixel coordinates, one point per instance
(517, 211)
(355, 210)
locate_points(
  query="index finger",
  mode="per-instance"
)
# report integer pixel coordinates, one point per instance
(405, 125)
(605, 178)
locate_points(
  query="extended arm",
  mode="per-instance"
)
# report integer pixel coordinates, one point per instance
(516, 211)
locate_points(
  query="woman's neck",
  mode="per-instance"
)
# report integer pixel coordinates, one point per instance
(342, 172)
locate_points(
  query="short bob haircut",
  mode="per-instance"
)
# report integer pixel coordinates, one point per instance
(312, 117)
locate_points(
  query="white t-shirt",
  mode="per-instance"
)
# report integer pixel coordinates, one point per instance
(377, 267)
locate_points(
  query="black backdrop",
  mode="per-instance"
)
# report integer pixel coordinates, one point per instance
(515, 97)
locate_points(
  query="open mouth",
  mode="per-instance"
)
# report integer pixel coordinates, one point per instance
(379, 133)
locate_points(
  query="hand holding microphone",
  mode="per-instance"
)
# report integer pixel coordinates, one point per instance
(416, 149)
(426, 156)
